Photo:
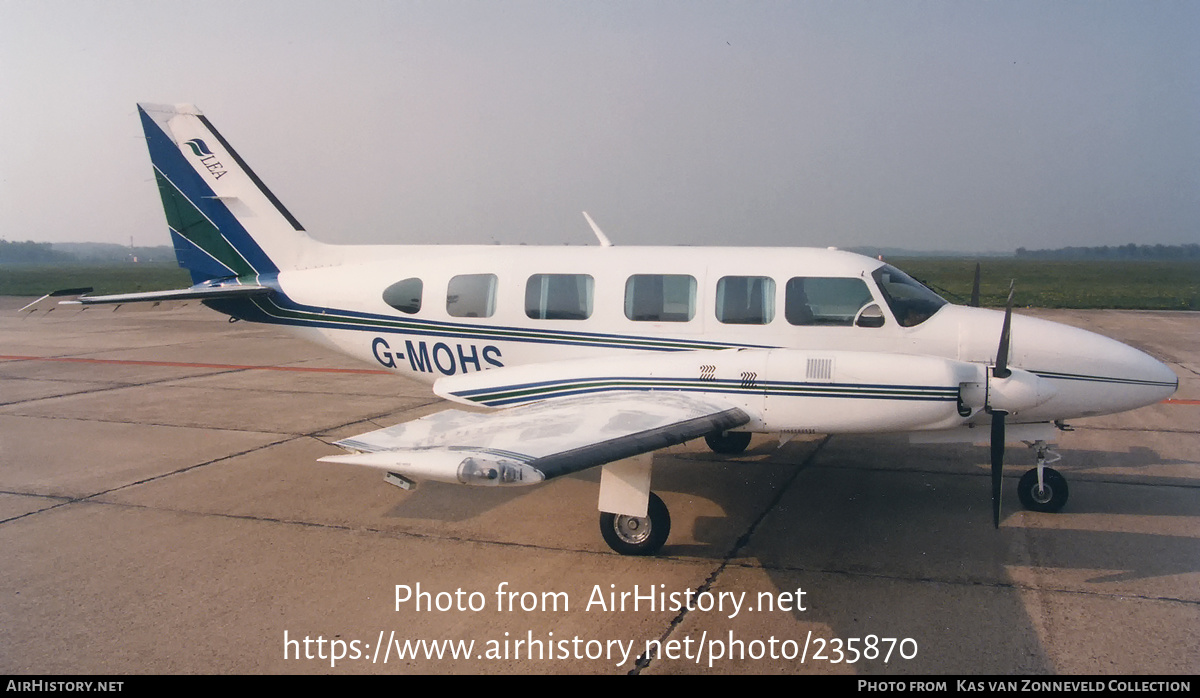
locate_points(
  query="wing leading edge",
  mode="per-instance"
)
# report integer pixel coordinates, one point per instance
(531, 443)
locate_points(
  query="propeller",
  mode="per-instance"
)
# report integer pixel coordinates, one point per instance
(1001, 370)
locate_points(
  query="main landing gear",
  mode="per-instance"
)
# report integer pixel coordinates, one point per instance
(646, 535)
(729, 442)
(637, 535)
(1041, 488)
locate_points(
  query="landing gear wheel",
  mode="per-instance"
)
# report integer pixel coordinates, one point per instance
(1050, 498)
(636, 535)
(730, 442)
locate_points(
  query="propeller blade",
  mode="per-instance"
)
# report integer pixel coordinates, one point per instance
(997, 463)
(975, 288)
(1001, 369)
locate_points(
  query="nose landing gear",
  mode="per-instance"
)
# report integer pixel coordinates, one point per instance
(1041, 488)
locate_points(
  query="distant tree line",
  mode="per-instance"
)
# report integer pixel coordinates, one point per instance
(1119, 252)
(30, 252)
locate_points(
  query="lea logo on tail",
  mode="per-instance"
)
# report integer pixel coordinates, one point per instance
(207, 158)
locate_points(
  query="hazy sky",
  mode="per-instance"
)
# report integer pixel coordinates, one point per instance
(964, 125)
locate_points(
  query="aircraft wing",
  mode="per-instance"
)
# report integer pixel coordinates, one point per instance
(528, 444)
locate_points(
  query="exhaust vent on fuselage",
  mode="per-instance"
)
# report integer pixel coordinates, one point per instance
(820, 369)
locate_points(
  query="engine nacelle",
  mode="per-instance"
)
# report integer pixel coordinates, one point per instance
(1020, 391)
(782, 390)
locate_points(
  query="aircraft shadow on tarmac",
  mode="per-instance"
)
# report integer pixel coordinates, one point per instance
(843, 510)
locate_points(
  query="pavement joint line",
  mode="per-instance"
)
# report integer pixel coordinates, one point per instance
(370, 420)
(64, 500)
(187, 364)
(647, 657)
(966, 583)
(92, 497)
(206, 427)
(268, 391)
(708, 583)
(56, 379)
(1187, 368)
(103, 389)
(228, 370)
(374, 420)
(1076, 475)
(152, 478)
(317, 524)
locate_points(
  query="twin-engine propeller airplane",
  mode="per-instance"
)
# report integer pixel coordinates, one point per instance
(599, 356)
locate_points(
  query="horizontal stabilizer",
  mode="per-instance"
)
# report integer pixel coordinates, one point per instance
(527, 444)
(76, 297)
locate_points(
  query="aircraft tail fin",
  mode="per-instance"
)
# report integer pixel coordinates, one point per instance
(224, 221)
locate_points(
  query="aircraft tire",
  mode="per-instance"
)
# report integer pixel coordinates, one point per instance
(729, 443)
(1050, 500)
(635, 535)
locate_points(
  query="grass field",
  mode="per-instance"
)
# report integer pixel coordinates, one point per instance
(1161, 285)
(31, 280)
(1151, 285)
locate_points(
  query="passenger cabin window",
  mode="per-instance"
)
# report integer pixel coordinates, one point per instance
(559, 296)
(825, 301)
(660, 297)
(404, 296)
(911, 301)
(746, 300)
(471, 295)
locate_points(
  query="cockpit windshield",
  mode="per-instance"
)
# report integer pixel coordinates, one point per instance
(911, 301)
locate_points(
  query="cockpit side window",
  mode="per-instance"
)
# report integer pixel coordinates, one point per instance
(911, 301)
(404, 296)
(825, 301)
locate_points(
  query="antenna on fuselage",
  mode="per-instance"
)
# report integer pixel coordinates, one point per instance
(604, 241)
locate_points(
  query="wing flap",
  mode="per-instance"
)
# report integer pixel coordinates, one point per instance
(548, 439)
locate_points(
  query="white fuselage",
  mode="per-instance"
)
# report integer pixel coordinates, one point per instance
(757, 316)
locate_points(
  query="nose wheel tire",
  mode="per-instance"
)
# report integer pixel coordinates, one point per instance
(1050, 498)
(730, 442)
(637, 535)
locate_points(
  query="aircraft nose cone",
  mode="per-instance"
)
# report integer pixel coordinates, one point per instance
(1156, 375)
(1101, 375)
(1140, 378)
(1083, 373)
